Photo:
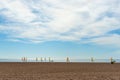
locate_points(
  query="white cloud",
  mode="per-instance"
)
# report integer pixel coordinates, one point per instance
(17, 10)
(66, 20)
(113, 40)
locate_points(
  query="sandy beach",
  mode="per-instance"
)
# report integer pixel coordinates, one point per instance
(59, 71)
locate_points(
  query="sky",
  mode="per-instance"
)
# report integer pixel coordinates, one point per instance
(60, 28)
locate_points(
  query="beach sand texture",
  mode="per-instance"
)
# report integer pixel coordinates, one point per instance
(59, 71)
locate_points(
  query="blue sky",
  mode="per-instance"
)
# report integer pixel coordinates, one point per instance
(60, 28)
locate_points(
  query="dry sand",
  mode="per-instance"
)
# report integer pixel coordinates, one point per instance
(59, 71)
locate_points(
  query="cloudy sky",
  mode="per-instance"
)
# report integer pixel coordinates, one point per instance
(60, 28)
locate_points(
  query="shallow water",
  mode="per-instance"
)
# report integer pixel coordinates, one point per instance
(60, 60)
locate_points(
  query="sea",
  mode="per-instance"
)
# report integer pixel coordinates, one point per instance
(62, 60)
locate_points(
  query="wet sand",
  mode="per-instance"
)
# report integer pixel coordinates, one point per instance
(59, 71)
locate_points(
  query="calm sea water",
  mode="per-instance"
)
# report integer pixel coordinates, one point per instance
(60, 60)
